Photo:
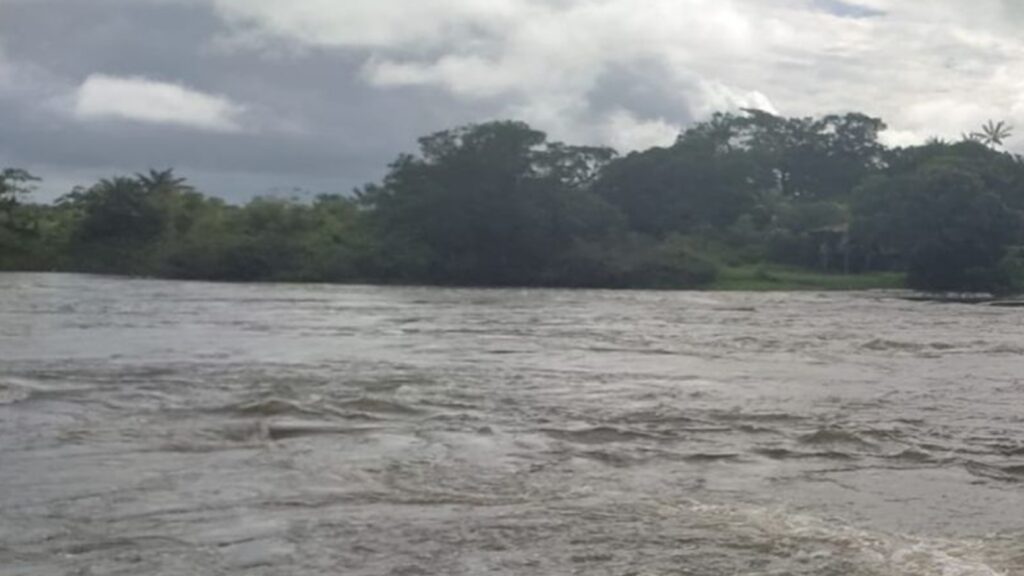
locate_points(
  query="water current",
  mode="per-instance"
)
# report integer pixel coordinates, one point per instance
(174, 428)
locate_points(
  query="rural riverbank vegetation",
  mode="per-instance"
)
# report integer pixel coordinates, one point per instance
(743, 201)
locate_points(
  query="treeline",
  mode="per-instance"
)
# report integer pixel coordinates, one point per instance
(497, 204)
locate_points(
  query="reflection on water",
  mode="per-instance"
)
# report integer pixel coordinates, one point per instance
(184, 428)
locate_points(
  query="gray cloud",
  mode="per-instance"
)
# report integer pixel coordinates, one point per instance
(641, 88)
(258, 96)
(311, 120)
(848, 9)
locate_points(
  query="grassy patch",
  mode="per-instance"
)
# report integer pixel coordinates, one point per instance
(765, 278)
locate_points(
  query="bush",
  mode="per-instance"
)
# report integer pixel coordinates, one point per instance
(634, 262)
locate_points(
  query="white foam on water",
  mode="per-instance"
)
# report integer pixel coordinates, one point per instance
(808, 539)
(14, 391)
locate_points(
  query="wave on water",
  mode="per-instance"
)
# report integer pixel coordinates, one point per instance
(12, 392)
(834, 436)
(598, 435)
(831, 546)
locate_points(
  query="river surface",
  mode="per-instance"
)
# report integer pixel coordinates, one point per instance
(174, 428)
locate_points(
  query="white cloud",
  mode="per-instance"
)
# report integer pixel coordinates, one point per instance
(550, 58)
(623, 131)
(139, 99)
(897, 138)
(471, 76)
(714, 96)
(928, 68)
(545, 58)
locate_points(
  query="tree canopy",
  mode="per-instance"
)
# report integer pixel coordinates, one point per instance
(499, 204)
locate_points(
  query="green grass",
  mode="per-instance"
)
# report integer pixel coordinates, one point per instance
(766, 278)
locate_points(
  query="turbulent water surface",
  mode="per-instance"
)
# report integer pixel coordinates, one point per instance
(184, 428)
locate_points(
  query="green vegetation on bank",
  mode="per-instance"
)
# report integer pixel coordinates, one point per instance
(768, 278)
(745, 201)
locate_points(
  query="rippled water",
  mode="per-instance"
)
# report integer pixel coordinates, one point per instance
(166, 428)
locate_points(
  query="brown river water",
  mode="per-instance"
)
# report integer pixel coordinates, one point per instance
(175, 428)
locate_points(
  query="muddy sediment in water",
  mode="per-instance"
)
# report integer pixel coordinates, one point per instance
(165, 428)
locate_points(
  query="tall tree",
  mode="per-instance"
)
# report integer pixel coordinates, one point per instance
(947, 227)
(487, 204)
(16, 227)
(15, 185)
(993, 133)
(163, 181)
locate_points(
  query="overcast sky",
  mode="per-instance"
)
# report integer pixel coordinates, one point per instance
(287, 97)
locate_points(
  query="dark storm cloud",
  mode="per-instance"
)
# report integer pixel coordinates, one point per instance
(313, 122)
(72, 38)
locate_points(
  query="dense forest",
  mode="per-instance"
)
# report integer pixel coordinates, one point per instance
(497, 204)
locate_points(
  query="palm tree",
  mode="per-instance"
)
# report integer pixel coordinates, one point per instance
(163, 181)
(170, 194)
(993, 133)
(14, 183)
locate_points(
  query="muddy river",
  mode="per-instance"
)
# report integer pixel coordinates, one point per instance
(174, 428)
